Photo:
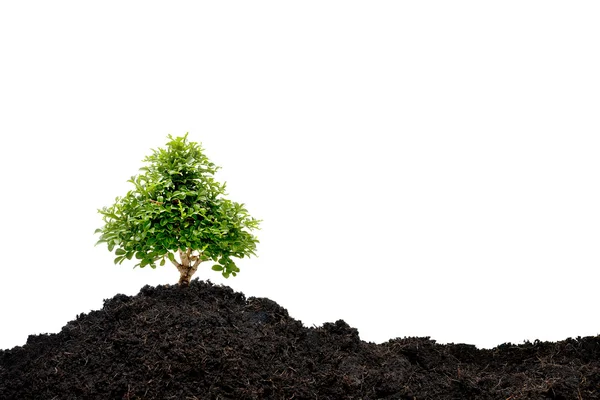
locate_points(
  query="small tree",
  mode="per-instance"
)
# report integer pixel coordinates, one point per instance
(177, 212)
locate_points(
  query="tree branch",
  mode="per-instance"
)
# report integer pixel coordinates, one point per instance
(196, 263)
(175, 263)
(183, 258)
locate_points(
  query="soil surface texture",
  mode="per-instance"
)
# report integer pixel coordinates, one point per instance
(209, 342)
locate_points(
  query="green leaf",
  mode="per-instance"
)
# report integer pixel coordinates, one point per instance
(217, 267)
(181, 177)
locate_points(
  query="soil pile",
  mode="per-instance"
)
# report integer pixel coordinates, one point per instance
(209, 342)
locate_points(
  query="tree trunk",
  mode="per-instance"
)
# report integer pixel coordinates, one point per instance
(186, 268)
(185, 275)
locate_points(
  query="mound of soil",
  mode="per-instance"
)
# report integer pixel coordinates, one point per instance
(209, 342)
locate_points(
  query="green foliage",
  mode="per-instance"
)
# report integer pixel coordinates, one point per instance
(176, 206)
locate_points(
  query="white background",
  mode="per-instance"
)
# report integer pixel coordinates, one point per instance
(425, 168)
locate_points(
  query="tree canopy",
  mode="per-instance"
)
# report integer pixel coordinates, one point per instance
(177, 212)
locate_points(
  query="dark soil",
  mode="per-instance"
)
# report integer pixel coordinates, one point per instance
(209, 342)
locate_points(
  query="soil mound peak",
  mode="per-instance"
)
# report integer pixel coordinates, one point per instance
(209, 342)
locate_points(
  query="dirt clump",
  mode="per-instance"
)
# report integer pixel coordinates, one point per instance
(209, 342)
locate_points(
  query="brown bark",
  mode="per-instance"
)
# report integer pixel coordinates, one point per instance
(188, 266)
(185, 277)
